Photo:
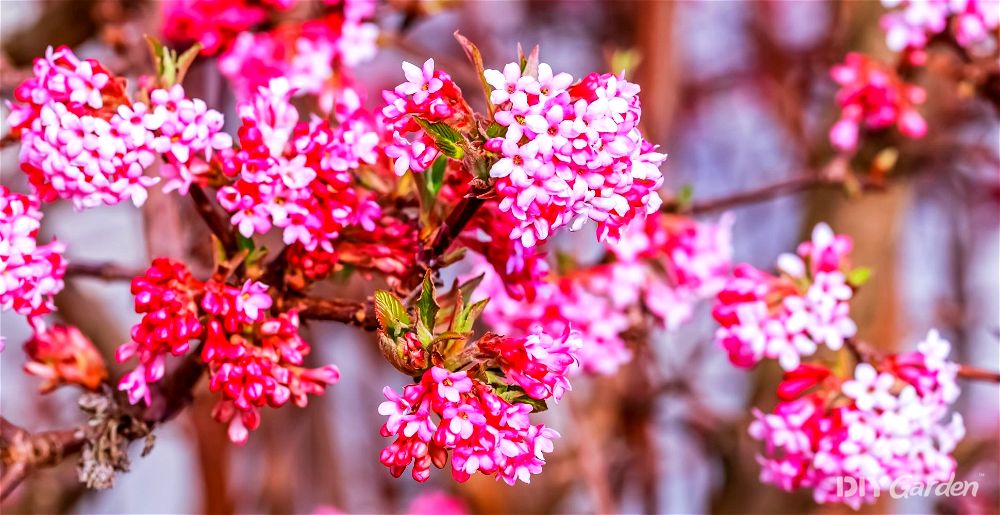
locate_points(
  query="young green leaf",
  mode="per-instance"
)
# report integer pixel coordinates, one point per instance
(427, 306)
(448, 140)
(434, 177)
(467, 318)
(389, 311)
(495, 130)
(859, 276)
(185, 60)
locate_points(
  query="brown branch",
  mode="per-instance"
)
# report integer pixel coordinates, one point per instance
(361, 314)
(762, 194)
(8, 140)
(22, 451)
(103, 271)
(864, 352)
(978, 374)
(456, 222)
(219, 226)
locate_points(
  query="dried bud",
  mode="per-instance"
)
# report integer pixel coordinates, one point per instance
(63, 355)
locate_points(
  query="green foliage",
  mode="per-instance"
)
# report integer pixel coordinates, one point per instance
(170, 67)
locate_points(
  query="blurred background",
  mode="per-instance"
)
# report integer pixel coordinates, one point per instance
(738, 94)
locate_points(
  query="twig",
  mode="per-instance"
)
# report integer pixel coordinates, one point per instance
(762, 194)
(361, 314)
(219, 226)
(8, 140)
(103, 271)
(22, 451)
(455, 223)
(978, 374)
(864, 352)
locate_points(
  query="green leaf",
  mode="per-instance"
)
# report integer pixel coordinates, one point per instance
(448, 140)
(684, 196)
(451, 302)
(244, 243)
(185, 61)
(859, 276)
(170, 69)
(495, 130)
(514, 394)
(389, 311)
(427, 306)
(424, 334)
(467, 318)
(434, 177)
(537, 405)
(470, 286)
(156, 50)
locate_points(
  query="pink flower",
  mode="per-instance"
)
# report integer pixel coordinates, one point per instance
(538, 362)
(889, 433)
(253, 300)
(913, 22)
(421, 82)
(438, 503)
(483, 432)
(312, 55)
(30, 274)
(583, 305)
(571, 153)
(785, 318)
(873, 97)
(870, 389)
(165, 296)
(187, 134)
(74, 143)
(296, 175)
(451, 385)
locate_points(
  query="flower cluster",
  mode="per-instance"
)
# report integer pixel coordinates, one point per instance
(885, 424)
(254, 359)
(166, 297)
(537, 363)
(83, 140)
(431, 96)
(183, 130)
(787, 317)
(30, 274)
(591, 305)
(570, 152)
(675, 262)
(251, 376)
(873, 97)
(63, 355)
(308, 53)
(296, 175)
(521, 269)
(912, 23)
(72, 144)
(214, 23)
(483, 432)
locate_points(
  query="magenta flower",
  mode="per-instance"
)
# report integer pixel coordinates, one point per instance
(421, 82)
(253, 300)
(451, 385)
